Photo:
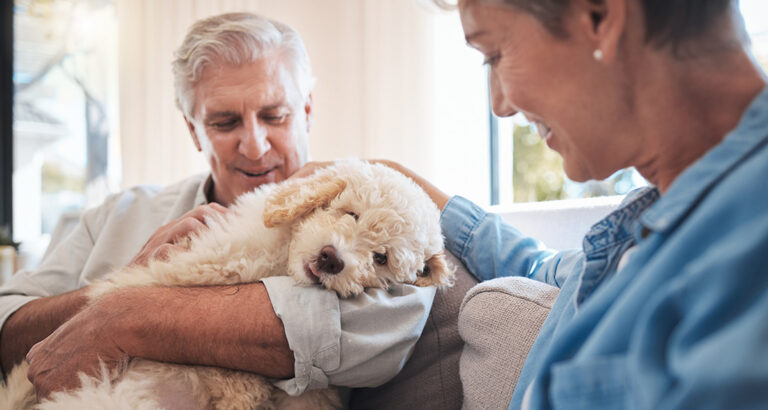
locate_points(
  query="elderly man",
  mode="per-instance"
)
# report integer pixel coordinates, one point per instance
(243, 84)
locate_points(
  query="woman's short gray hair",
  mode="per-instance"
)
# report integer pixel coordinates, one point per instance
(236, 38)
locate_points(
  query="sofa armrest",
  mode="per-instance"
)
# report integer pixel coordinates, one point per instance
(498, 321)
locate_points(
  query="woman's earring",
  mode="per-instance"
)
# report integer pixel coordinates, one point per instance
(598, 55)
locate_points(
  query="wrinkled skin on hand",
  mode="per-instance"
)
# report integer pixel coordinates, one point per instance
(81, 344)
(88, 339)
(170, 236)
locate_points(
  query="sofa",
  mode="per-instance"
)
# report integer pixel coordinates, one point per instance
(477, 336)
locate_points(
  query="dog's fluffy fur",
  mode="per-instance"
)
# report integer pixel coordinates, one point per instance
(359, 209)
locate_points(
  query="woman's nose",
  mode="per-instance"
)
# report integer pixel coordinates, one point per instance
(254, 142)
(500, 104)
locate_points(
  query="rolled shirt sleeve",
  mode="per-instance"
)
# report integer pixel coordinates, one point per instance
(357, 342)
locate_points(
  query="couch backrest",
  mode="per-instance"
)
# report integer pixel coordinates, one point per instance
(559, 224)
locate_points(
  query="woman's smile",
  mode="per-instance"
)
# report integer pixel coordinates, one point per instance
(544, 130)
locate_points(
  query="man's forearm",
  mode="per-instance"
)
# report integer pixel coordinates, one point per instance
(226, 326)
(33, 322)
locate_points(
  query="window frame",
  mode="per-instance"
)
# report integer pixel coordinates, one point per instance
(6, 115)
(493, 127)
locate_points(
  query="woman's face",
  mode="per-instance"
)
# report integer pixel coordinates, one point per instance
(556, 83)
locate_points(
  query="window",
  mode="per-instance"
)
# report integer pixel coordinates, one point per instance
(534, 172)
(524, 169)
(755, 14)
(64, 116)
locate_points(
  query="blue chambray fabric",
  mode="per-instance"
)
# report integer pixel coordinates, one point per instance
(683, 323)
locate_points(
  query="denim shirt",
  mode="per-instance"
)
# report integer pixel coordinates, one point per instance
(683, 323)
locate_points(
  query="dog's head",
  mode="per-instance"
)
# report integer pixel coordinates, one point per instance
(357, 225)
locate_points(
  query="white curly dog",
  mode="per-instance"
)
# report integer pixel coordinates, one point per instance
(347, 227)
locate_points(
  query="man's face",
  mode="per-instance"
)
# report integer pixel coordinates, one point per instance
(252, 123)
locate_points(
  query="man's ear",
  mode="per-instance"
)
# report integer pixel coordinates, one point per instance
(308, 112)
(604, 23)
(193, 134)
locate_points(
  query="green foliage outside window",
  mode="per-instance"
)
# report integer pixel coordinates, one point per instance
(57, 177)
(538, 173)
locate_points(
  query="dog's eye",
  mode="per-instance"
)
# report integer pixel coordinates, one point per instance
(352, 214)
(425, 272)
(380, 258)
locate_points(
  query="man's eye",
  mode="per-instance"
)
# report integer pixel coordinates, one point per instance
(275, 119)
(380, 258)
(225, 124)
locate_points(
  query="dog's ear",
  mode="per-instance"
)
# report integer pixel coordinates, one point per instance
(437, 271)
(297, 198)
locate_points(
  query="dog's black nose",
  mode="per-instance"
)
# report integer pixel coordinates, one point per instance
(329, 261)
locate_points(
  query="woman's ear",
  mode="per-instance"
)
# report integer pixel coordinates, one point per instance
(604, 22)
(295, 198)
(437, 271)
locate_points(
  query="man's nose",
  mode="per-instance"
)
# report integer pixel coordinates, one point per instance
(254, 141)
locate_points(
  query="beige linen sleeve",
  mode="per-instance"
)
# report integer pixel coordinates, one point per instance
(357, 342)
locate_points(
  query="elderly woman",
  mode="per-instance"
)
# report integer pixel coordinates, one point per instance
(666, 306)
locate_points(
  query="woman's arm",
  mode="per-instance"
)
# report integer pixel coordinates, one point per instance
(439, 197)
(492, 248)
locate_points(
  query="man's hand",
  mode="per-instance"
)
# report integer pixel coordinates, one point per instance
(34, 322)
(225, 326)
(167, 238)
(79, 345)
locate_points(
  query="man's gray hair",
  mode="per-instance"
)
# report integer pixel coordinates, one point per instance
(236, 38)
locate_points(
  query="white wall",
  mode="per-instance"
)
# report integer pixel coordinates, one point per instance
(394, 80)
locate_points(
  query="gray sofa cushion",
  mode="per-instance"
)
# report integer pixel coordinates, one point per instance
(430, 378)
(499, 321)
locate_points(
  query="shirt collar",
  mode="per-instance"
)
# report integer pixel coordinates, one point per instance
(617, 226)
(204, 191)
(699, 178)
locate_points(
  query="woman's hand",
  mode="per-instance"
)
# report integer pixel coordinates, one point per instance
(167, 238)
